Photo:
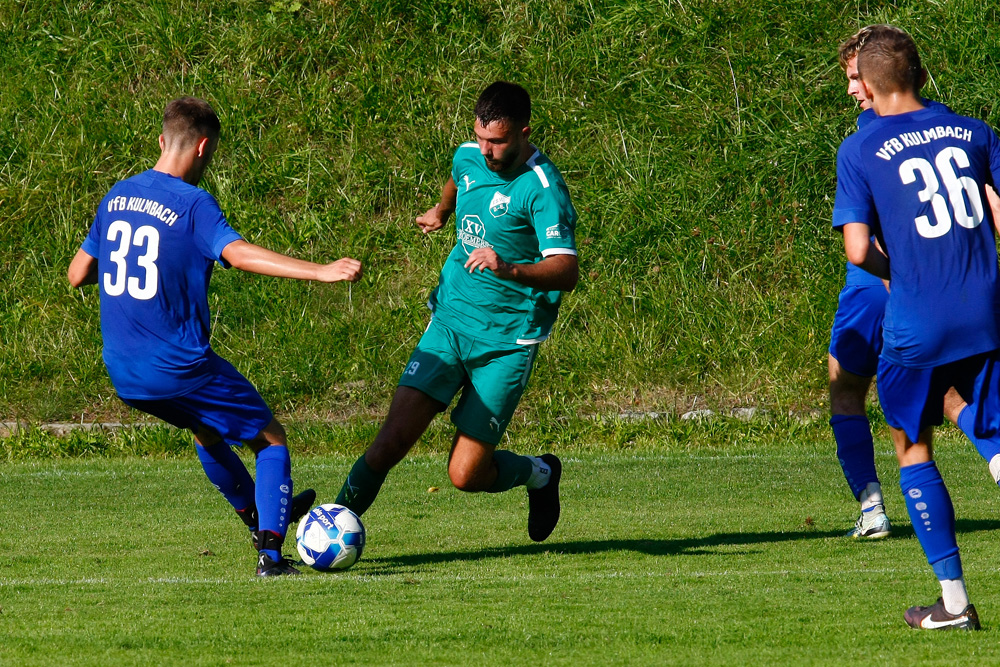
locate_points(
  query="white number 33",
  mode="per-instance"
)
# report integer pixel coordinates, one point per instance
(145, 237)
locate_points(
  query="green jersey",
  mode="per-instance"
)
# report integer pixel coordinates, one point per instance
(524, 217)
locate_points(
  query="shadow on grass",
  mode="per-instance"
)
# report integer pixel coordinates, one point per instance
(652, 547)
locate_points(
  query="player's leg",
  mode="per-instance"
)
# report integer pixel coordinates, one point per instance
(856, 449)
(959, 413)
(498, 376)
(431, 378)
(855, 343)
(224, 469)
(273, 497)
(933, 517)
(226, 472)
(912, 401)
(410, 413)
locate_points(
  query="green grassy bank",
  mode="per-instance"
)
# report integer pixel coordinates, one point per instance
(697, 138)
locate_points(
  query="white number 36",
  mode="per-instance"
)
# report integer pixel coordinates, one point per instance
(955, 186)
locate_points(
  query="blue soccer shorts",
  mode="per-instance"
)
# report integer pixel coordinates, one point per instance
(491, 377)
(228, 405)
(856, 336)
(913, 398)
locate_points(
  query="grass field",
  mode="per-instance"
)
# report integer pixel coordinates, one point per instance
(731, 554)
(698, 141)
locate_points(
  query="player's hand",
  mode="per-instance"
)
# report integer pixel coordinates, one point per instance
(486, 258)
(343, 269)
(432, 220)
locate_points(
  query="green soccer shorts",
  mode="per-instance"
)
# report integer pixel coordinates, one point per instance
(491, 377)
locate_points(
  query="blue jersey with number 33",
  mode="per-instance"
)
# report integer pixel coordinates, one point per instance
(156, 239)
(917, 179)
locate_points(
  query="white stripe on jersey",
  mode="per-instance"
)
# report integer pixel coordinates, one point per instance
(558, 251)
(538, 170)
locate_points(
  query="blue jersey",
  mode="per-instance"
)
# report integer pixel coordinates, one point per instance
(156, 239)
(857, 276)
(917, 179)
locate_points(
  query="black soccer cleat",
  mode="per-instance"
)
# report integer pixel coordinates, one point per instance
(266, 567)
(543, 503)
(936, 617)
(301, 504)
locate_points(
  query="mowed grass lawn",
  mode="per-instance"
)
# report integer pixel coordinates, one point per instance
(727, 555)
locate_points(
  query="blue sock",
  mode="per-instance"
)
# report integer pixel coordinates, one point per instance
(226, 471)
(274, 491)
(932, 516)
(987, 448)
(855, 450)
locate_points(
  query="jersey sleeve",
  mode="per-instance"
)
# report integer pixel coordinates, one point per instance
(212, 232)
(554, 218)
(92, 244)
(854, 201)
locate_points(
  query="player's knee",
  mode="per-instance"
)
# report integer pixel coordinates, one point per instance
(466, 479)
(848, 398)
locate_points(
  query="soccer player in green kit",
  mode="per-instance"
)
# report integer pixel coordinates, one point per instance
(496, 300)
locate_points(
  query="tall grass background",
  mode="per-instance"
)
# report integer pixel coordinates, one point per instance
(698, 140)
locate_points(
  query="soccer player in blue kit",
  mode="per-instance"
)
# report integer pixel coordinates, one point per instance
(151, 249)
(855, 344)
(915, 178)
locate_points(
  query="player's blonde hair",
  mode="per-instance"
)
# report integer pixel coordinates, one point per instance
(850, 47)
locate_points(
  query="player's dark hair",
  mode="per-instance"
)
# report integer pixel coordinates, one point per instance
(188, 119)
(503, 101)
(849, 49)
(888, 61)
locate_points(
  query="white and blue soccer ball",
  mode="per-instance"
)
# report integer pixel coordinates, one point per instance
(330, 537)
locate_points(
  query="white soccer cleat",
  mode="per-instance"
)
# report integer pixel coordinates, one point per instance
(873, 524)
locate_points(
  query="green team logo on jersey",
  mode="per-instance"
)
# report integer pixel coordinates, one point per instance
(472, 234)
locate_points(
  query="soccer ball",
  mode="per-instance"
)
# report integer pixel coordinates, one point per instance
(330, 537)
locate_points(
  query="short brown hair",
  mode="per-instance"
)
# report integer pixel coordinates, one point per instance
(504, 101)
(888, 61)
(849, 49)
(188, 119)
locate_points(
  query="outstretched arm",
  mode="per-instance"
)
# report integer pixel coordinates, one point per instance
(82, 270)
(862, 253)
(255, 259)
(556, 272)
(434, 218)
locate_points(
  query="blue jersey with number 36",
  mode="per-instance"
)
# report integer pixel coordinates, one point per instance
(917, 179)
(156, 239)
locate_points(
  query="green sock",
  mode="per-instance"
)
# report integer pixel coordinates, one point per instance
(361, 487)
(512, 470)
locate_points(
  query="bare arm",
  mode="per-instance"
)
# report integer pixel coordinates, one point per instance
(556, 272)
(862, 253)
(255, 259)
(434, 218)
(82, 270)
(994, 201)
